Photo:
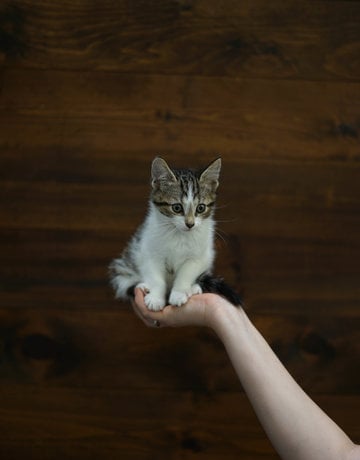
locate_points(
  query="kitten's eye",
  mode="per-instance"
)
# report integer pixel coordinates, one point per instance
(200, 208)
(177, 208)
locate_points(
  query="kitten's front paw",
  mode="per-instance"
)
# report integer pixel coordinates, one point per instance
(178, 298)
(196, 289)
(154, 302)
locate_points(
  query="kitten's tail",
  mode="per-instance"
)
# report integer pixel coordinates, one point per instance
(123, 278)
(216, 285)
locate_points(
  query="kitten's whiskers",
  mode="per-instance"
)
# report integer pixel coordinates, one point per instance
(218, 233)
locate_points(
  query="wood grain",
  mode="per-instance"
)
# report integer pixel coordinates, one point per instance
(90, 92)
(90, 347)
(247, 118)
(63, 423)
(318, 41)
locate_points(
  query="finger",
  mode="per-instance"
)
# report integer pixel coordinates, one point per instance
(138, 305)
(136, 310)
(139, 298)
(150, 318)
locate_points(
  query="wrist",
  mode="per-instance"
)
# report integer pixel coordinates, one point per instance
(223, 317)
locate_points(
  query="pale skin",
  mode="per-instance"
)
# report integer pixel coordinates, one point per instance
(296, 426)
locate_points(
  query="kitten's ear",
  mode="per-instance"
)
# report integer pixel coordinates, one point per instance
(160, 172)
(211, 173)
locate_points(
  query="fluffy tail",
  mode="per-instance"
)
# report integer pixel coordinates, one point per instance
(216, 285)
(123, 278)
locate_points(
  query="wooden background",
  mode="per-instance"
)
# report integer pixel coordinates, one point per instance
(91, 91)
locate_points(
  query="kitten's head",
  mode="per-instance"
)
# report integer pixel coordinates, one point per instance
(186, 197)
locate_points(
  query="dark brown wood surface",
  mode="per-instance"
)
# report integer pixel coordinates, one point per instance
(90, 92)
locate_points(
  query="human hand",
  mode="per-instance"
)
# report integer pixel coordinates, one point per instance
(200, 310)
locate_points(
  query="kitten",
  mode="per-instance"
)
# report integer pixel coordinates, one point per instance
(171, 255)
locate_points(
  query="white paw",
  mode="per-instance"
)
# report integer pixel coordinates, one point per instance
(178, 298)
(154, 302)
(196, 289)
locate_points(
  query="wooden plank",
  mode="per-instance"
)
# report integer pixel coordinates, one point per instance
(111, 348)
(277, 40)
(127, 114)
(280, 275)
(77, 423)
(128, 424)
(209, 428)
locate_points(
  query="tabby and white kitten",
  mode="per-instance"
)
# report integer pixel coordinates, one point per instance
(175, 244)
(171, 255)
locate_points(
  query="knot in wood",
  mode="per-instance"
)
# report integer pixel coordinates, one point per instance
(40, 347)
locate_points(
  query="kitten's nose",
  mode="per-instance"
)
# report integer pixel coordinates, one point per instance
(189, 224)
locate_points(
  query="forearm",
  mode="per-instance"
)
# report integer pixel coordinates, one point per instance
(297, 427)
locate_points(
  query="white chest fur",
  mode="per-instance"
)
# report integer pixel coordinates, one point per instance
(172, 246)
(171, 259)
